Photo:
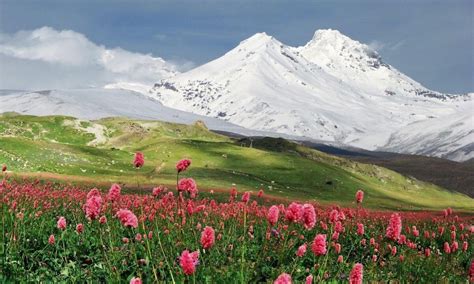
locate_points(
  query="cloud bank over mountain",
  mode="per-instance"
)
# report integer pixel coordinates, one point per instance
(50, 58)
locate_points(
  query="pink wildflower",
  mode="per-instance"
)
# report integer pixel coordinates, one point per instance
(114, 192)
(93, 192)
(284, 278)
(79, 228)
(447, 248)
(103, 220)
(92, 206)
(127, 218)
(357, 274)
(272, 215)
(157, 190)
(188, 261)
(246, 197)
(427, 252)
(139, 160)
(188, 185)
(309, 279)
(319, 245)
(135, 280)
(360, 229)
(182, 165)
(207, 237)
(294, 212)
(359, 196)
(301, 250)
(309, 216)
(61, 224)
(395, 227)
(51, 240)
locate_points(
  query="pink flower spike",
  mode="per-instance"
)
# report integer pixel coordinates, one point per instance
(284, 278)
(61, 223)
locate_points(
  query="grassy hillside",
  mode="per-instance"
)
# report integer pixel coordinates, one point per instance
(101, 151)
(456, 176)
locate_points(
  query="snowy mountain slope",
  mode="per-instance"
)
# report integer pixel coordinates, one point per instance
(333, 89)
(100, 103)
(450, 137)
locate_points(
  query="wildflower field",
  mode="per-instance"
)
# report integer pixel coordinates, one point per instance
(55, 232)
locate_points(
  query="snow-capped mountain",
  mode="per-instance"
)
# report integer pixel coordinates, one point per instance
(333, 88)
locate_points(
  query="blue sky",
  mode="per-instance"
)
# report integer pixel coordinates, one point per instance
(431, 41)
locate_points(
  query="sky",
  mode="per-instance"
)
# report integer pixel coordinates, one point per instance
(430, 41)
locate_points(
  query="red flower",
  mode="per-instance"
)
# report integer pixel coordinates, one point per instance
(309, 279)
(319, 245)
(360, 229)
(284, 278)
(139, 160)
(79, 228)
(357, 274)
(359, 196)
(127, 218)
(182, 165)
(51, 240)
(103, 220)
(246, 197)
(207, 237)
(188, 261)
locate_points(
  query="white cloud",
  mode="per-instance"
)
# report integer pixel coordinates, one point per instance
(47, 58)
(378, 45)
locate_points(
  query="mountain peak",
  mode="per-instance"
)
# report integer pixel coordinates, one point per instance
(259, 39)
(334, 39)
(328, 33)
(332, 48)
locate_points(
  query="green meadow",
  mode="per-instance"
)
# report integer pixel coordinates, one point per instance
(101, 152)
